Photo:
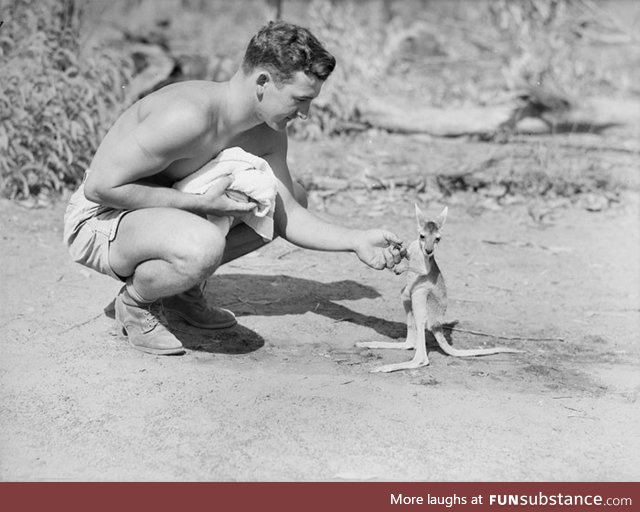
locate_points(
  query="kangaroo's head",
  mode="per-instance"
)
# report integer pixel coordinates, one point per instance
(429, 231)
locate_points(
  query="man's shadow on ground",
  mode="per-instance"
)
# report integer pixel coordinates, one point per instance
(279, 295)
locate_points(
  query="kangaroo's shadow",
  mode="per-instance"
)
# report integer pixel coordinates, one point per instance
(274, 295)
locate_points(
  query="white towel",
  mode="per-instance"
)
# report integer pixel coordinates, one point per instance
(253, 180)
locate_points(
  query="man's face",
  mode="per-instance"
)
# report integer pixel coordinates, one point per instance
(282, 103)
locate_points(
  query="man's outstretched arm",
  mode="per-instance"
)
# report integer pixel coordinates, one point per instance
(377, 248)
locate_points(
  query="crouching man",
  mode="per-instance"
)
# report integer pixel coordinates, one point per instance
(127, 221)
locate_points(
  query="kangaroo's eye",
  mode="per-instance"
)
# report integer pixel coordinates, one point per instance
(437, 239)
(421, 237)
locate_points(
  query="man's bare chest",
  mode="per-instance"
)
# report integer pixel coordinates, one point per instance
(206, 151)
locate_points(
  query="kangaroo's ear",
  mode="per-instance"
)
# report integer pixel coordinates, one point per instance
(422, 220)
(442, 217)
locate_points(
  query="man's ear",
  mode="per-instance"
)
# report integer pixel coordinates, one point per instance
(262, 79)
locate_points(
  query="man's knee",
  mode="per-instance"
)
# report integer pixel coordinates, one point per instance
(199, 252)
(300, 194)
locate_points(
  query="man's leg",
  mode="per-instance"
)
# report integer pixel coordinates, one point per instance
(169, 253)
(164, 252)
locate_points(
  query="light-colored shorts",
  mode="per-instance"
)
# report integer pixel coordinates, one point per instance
(89, 228)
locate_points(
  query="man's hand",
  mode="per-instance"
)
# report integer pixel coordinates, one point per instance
(218, 203)
(379, 249)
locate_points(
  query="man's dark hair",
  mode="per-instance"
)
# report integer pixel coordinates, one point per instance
(283, 49)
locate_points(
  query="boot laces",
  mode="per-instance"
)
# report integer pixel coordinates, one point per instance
(154, 315)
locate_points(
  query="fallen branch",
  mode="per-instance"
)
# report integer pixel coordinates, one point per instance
(381, 113)
(531, 111)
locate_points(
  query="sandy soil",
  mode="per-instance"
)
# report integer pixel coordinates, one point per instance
(286, 395)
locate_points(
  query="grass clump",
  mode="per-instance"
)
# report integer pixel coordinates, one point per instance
(55, 104)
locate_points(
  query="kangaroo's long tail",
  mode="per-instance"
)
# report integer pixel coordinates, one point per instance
(457, 352)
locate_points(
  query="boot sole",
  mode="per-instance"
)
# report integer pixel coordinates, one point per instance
(151, 350)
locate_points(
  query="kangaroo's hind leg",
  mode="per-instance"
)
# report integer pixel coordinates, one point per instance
(420, 358)
(410, 341)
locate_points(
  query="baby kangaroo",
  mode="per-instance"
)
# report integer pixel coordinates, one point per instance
(424, 298)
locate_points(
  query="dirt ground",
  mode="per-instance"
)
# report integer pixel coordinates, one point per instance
(286, 395)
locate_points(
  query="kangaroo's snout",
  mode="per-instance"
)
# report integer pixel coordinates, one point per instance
(429, 242)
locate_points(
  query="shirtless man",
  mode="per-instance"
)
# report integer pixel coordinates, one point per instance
(127, 221)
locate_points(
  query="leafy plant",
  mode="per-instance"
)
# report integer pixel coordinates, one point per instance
(55, 104)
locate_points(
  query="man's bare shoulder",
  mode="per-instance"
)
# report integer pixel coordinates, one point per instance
(194, 101)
